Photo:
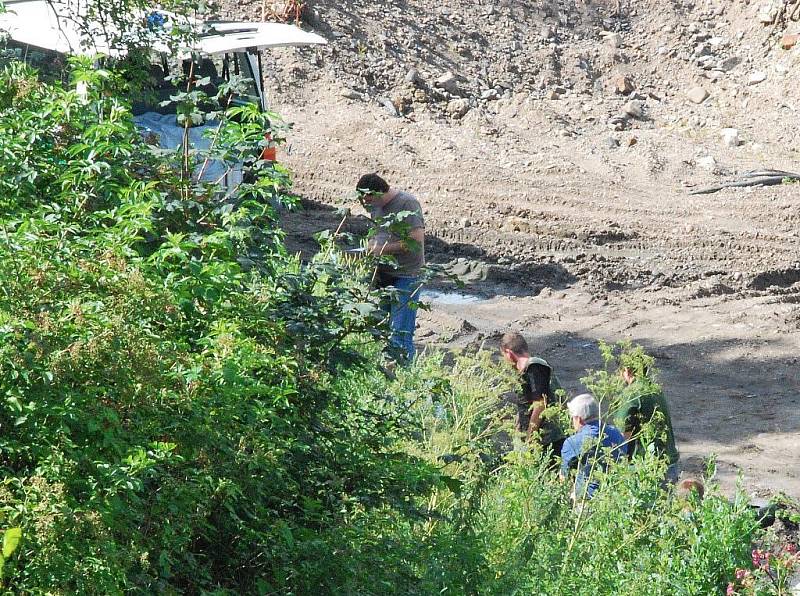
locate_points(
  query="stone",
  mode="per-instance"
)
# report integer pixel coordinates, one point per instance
(457, 108)
(697, 95)
(634, 109)
(789, 40)
(389, 106)
(614, 40)
(352, 94)
(757, 77)
(622, 85)
(730, 137)
(707, 163)
(412, 76)
(768, 12)
(448, 81)
(553, 94)
(611, 143)
(729, 64)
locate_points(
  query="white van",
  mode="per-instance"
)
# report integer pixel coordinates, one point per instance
(51, 29)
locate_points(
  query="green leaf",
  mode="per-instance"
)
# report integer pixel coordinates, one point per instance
(11, 540)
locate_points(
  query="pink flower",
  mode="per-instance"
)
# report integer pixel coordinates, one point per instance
(730, 591)
(741, 574)
(756, 556)
(791, 548)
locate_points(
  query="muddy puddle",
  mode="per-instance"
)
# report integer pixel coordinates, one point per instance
(450, 298)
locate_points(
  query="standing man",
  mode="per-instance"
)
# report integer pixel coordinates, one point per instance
(400, 235)
(539, 386)
(586, 450)
(643, 402)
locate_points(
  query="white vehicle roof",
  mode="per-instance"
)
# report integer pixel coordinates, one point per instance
(56, 26)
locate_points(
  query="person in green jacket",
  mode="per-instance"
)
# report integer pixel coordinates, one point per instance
(539, 387)
(643, 401)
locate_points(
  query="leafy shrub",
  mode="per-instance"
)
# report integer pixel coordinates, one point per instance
(173, 419)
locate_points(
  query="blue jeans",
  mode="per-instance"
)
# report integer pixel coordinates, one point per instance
(403, 314)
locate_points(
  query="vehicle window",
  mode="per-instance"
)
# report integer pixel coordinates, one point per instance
(51, 66)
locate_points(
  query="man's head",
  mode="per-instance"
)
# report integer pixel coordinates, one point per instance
(372, 188)
(583, 408)
(689, 486)
(513, 347)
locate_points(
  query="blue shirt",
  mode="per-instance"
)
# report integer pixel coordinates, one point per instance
(579, 452)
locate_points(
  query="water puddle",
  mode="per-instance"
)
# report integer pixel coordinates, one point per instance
(450, 297)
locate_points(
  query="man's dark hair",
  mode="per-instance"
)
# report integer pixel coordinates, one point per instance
(373, 184)
(515, 342)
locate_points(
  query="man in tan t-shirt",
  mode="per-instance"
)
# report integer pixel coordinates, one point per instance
(401, 235)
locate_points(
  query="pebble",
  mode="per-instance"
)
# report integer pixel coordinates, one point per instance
(448, 82)
(697, 95)
(756, 78)
(707, 163)
(730, 137)
(634, 109)
(457, 108)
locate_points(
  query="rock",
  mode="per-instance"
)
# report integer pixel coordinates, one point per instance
(613, 39)
(697, 95)
(611, 143)
(788, 41)
(402, 100)
(768, 12)
(618, 122)
(448, 81)
(729, 64)
(634, 109)
(465, 222)
(622, 85)
(352, 94)
(730, 137)
(457, 108)
(412, 76)
(554, 93)
(467, 327)
(632, 141)
(390, 107)
(707, 163)
(757, 77)
(548, 33)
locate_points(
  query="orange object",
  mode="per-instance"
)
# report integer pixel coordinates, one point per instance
(270, 151)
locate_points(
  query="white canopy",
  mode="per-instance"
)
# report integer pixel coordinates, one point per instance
(56, 26)
(229, 37)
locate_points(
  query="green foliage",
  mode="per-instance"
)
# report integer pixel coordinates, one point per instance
(184, 407)
(607, 384)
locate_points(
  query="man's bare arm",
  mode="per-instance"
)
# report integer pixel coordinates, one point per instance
(399, 246)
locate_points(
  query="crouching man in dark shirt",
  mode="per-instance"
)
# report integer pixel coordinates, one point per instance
(539, 386)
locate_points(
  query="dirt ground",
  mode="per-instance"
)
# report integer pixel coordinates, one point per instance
(569, 222)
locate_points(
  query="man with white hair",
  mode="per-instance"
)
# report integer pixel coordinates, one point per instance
(586, 449)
